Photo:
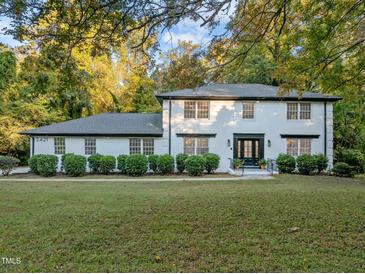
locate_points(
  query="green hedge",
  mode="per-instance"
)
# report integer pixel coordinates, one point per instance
(121, 159)
(180, 162)
(152, 162)
(211, 162)
(195, 165)
(94, 163)
(7, 164)
(354, 158)
(343, 170)
(63, 157)
(136, 165)
(47, 165)
(107, 164)
(165, 164)
(321, 162)
(285, 163)
(32, 162)
(306, 164)
(75, 165)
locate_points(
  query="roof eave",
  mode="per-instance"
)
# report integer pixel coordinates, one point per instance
(92, 134)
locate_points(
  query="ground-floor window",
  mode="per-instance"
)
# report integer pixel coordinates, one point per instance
(298, 146)
(144, 146)
(59, 145)
(90, 146)
(196, 145)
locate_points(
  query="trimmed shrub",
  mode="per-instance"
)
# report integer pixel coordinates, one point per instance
(285, 163)
(63, 157)
(121, 163)
(195, 165)
(165, 164)
(306, 164)
(94, 163)
(180, 161)
(343, 170)
(211, 162)
(152, 162)
(7, 164)
(107, 164)
(321, 162)
(47, 165)
(32, 162)
(136, 165)
(75, 165)
(354, 158)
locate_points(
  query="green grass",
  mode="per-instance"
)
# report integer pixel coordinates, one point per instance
(239, 226)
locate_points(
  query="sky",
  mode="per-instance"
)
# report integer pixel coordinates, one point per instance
(186, 30)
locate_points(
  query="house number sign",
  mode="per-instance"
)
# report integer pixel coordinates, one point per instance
(41, 139)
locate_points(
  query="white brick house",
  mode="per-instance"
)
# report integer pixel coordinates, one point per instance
(246, 121)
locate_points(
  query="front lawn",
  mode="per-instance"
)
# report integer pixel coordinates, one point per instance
(239, 226)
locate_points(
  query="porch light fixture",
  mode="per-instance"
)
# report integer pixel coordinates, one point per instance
(269, 143)
(229, 143)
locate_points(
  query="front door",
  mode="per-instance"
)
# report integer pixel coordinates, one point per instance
(248, 150)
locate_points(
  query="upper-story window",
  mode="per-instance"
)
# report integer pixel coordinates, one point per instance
(90, 146)
(145, 146)
(248, 110)
(59, 145)
(297, 111)
(196, 109)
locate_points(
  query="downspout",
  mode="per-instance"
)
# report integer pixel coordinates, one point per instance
(170, 126)
(325, 128)
(32, 146)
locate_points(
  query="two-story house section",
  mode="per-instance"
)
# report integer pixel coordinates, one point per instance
(244, 121)
(247, 121)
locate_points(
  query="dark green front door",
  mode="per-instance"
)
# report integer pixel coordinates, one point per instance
(248, 150)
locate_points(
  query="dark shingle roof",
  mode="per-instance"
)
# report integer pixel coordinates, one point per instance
(243, 91)
(106, 124)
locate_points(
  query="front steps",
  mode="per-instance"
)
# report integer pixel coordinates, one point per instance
(251, 172)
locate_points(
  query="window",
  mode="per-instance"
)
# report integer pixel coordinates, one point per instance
(296, 146)
(248, 109)
(59, 145)
(196, 109)
(134, 146)
(196, 146)
(145, 146)
(90, 146)
(148, 146)
(301, 111)
(305, 111)
(292, 111)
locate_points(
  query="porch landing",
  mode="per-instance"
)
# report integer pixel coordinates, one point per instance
(252, 172)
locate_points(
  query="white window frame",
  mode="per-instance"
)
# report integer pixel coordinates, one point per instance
(59, 145)
(250, 111)
(145, 146)
(199, 145)
(90, 145)
(301, 146)
(303, 111)
(194, 109)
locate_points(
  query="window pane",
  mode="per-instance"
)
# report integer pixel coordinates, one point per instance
(189, 109)
(202, 145)
(148, 146)
(247, 149)
(59, 145)
(292, 111)
(90, 146)
(305, 146)
(292, 147)
(189, 146)
(247, 110)
(305, 111)
(203, 109)
(134, 146)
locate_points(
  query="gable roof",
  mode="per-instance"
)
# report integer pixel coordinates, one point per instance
(243, 92)
(105, 124)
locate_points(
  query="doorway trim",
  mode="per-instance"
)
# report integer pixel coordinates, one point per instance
(259, 136)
